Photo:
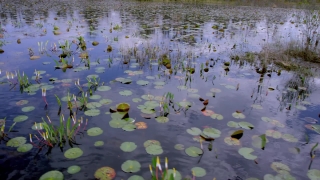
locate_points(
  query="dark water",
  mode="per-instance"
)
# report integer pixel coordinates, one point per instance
(185, 34)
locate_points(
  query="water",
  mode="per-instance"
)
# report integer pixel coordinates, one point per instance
(140, 33)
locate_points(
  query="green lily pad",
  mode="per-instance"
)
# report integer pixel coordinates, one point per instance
(151, 142)
(280, 167)
(28, 108)
(177, 177)
(179, 147)
(117, 123)
(233, 124)
(105, 173)
(131, 166)
(52, 175)
(129, 127)
(136, 100)
(16, 142)
(238, 115)
(246, 153)
(289, 138)
(95, 131)
(185, 104)
(98, 143)
(154, 149)
(123, 107)
(118, 115)
(125, 93)
(93, 105)
(128, 146)
(162, 119)
(103, 88)
(194, 131)
(313, 174)
(96, 96)
(246, 125)
(105, 101)
(148, 111)
(159, 83)
(93, 76)
(216, 116)
(142, 82)
(20, 118)
(193, 151)
(92, 112)
(22, 102)
(136, 177)
(212, 132)
(73, 169)
(73, 153)
(24, 147)
(147, 97)
(198, 171)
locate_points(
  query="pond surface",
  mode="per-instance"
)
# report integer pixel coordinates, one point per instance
(197, 91)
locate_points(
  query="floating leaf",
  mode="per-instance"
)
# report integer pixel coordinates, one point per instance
(117, 123)
(231, 141)
(193, 151)
(128, 146)
(289, 138)
(22, 102)
(73, 153)
(237, 134)
(105, 101)
(131, 166)
(238, 115)
(98, 143)
(313, 174)
(93, 105)
(159, 83)
(151, 142)
(162, 119)
(216, 116)
(28, 108)
(125, 93)
(20, 118)
(185, 104)
(142, 82)
(194, 131)
(24, 147)
(73, 169)
(256, 106)
(52, 175)
(279, 167)
(123, 107)
(141, 125)
(92, 112)
(105, 173)
(246, 125)
(16, 142)
(95, 131)
(129, 127)
(212, 132)
(147, 97)
(96, 96)
(136, 177)
(179, 147)
(274, 134)
(154, 149)
(233, 124)
(198, 171)
(136, 100)
(246, 153)
(103, 88)
(177, 173)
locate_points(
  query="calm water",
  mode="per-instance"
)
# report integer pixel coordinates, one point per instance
(189, 35)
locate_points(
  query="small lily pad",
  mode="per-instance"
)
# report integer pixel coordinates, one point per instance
(73, 153)
(96, 96)
(233, 124)
(22, 102)
(105, 173)
(28, 108)
(92, 112)
(125, 93)
(103, 88)
(16, 142)
(117, 123)
(212, 132)
(98, 143)
(246, 125)
(131, 166)
(142, 82)
(179, 147)
(216, 116)
(105, 101)
(136, 177)
(194, 131)
(95, 131)
(128, 146)
(185, 104)
(136, 100)
(238, 115)
(246, 153)
(198, 171)
(25, 147)
(151, 142)
(313, 174)
(154, 149)
(20, 118)
(193, 151)
(52, 175)
(73, 169)
(129, 127)
(162, 119)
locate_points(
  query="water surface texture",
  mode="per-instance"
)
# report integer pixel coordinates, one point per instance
(192, 80)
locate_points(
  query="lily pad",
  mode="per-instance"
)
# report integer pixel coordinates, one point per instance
(136, 177)
(52, 175)
(16, 142)
(279, 167)
(142, 82)
(105, 101)
(95, 131)
(128, 146)
(246, 153)
(246, 125)
(216, 116)
(123, 107)
(179, 147)
(105, 173)
(73, 153)
(177, 173)
(93, 105)
(212, 132)
(98, 143)
(117, 123)
(136, 100)
(185, 104)
(289, 138)
(233, 124)
(25, 147)
(96, 96)
(151, 142)
(129, 127)
(231, 141)
(131, 166)
(154, 149)
(92, 112)
(194, 131)
(103, 88)
(238, 115)
(22, 102)
(162, 119)
(198, 171)
(193, 151)
(125, 93)
(28, 108)
(147, 97)
(20, 118)
(73, 169)
(313, 174)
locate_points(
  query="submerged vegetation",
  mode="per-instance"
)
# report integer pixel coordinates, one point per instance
(214, 87)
